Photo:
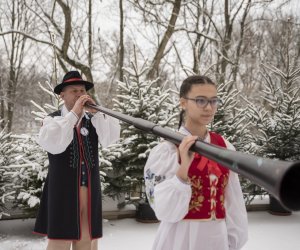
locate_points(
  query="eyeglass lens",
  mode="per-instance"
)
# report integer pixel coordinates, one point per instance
(203, 102)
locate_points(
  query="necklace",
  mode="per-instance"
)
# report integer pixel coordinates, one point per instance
(201, 138)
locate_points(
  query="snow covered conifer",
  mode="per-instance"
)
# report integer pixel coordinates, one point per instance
(231, 120)
(124, 162)
(28, 170)
(277, 119)
(25, 163)
(55, 103)
(31, 161)
(5, 144)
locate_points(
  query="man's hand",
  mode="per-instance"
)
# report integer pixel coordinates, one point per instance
(79, 105)
(91, 110)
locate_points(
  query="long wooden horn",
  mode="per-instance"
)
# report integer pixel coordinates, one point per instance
(279, 178)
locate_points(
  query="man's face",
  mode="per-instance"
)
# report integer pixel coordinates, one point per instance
(71, 93)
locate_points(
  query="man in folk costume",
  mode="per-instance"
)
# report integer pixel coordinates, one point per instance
(70, 211)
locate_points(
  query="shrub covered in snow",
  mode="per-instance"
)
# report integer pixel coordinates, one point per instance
(28, 169)
(276, 122)
(5, 144)
(124, 162)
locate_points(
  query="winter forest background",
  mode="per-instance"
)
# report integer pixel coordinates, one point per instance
(137, 53)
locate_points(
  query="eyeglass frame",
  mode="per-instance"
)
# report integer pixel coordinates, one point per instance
(208, 101)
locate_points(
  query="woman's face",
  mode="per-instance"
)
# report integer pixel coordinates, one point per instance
(203, 106)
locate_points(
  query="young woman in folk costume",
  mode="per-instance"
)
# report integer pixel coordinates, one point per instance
(198, 201)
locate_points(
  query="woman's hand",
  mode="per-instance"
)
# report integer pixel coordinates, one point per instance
(186, 156)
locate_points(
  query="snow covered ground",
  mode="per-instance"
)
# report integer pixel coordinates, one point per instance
(266, 232)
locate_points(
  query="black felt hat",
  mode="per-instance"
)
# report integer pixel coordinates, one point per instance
(72, 78)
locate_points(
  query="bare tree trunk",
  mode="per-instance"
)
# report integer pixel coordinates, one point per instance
(11, 93)
(199, 44)
(1, 103)
(12, 82)
(226, 42)
(65, 35)
(90, 55)
(241, 41)
(68, 28)
(19, 19)
(169, 32)
(196, 56)
(85, 69)
(121, 46)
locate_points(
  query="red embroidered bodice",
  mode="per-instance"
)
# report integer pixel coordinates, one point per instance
(208, 180)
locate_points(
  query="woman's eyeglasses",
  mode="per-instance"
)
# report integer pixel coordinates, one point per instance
(202, 102)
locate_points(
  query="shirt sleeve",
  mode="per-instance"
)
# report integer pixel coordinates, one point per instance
(167, 195)
(57, 133)
(107, 128)
(236, 214)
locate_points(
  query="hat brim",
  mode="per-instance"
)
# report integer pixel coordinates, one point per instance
(58, 88)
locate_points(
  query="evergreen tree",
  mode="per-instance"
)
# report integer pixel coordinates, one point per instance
(230, 119)
(277, 121)
(232, 122)
(31, 161)
(28, 170)
(124, 162)
(47, 108)
(25, 162)
(5, 187)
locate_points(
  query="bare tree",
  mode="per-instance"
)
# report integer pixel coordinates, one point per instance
(15, 47)
(65, 46)
(70, 45)
(197, 27)
(154, 70)
(90, 33)
(66, 37)
(224, 38)
(121, 46)
(1, 104)
(152, 11)
(232, 11)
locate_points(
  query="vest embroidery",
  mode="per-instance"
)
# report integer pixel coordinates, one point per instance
(74, 151)
(197, 199)
(208, 181)
(87, 148)
(74, 147)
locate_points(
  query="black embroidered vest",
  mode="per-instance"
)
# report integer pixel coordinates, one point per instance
(59, 213)
(71, 156)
